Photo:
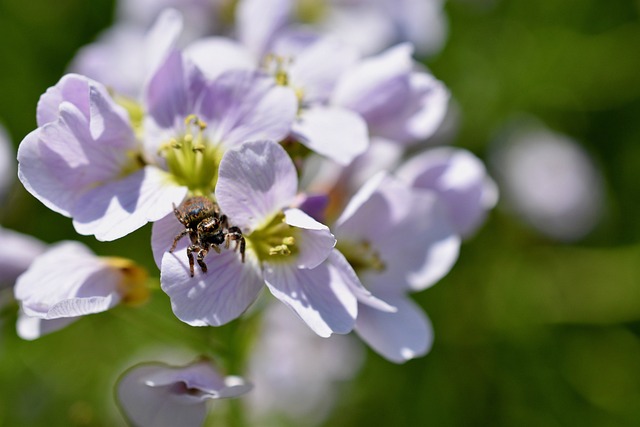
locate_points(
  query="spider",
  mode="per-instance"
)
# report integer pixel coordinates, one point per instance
(207, 228)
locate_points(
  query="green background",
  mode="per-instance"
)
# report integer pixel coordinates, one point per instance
(528, 332)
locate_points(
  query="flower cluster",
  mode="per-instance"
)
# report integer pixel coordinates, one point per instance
(272, 159)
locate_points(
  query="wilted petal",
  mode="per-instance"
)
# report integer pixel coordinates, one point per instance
(158, 395)
(398, 336)
(118, 208)
(460, 178)
(255, 182)
(17, 252)
(213, 298)
(67, 281)
(319, 296)
(31, 328)
(334, 132)
(315, 242)
(241, 106)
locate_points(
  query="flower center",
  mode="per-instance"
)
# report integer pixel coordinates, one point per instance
(277, 66)
(133, 285)
(361, 255)
(192, 160)
(275, 241)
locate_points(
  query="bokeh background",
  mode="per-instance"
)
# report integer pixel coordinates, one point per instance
(529, 331)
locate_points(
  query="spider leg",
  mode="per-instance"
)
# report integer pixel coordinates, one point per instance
(176, 212)
(201, 254)
(234, 233)
(190, 250)
(224, 222)
(178, 237)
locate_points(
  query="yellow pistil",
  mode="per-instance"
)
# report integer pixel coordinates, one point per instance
(361, 255)
(192, 159)
(274, 241)
(133, 285)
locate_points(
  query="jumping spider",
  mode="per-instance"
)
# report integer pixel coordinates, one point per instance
(207, 228)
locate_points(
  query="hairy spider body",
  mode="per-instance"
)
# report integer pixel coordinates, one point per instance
(207, 229)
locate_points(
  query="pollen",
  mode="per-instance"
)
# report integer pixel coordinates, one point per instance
(362, 256)
(275, 241)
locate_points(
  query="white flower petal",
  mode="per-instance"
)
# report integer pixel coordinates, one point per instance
(31, 328)
(17, 252)
(216, 55)
(315, 242)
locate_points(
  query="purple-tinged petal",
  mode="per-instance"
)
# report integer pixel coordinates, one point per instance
(398, 336)
(67, 281)
(315, 242)
(17, 251)
(350, 277)
(319, 296)
(377, 87)
(7, 163)
(334, 132)
(213, 298)
(163, 233)
(71, 88)
(171, 93)
(158, 395)
(255, 182)
(31, 328)
(118, 208)
(241, 106)
(460, 178)
(161, 39)
(258, 21)
(314, 205)
(421, 22)
(217, 55)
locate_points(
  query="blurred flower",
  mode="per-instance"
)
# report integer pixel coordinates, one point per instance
(461, 181)
(159, 395)
(17, 252)
(68, 281)
(7, 163)
(398, 239)
(297, 374)
(286, 249)
(549, 180)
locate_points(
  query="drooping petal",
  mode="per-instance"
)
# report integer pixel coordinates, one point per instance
(315, 242)
(67, 281)
(460, 178)
(241, 106)
(398, 336)
(334, 132)
(31, 328)
(255, 182)
(319, 296)
(17, 252)
(217, 55)
(258, 22)
(158, 395)
(213, 298)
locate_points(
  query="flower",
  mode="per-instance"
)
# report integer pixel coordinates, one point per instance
(69, 281)
(399, 240)
(17, 252)
(460, 179)
(7, 165)
(286, 249)
(157, 395)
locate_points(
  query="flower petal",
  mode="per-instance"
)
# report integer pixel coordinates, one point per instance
(71, 88)
(398, 336)
(118, 208)
(315, 242)
(17, 251)
(319, 296)
(258, 21)
(213, 298)
(255, 182)
(334, 132)
(161, 39)
(216, 55)
(31, 328)
(67, 281)
(241, 106)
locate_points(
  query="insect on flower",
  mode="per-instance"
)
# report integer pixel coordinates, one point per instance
(207, 228)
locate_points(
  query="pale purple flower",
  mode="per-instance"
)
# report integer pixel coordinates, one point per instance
(460, 179)
(286, 249)
(7, 163)
(398, 102)
(159, 395)
(69, 281)
(398, 239)
(297, 374)
(550, 181)
(84, 162)
(17, 251)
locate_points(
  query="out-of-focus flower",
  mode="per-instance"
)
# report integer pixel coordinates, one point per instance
(69, 281)
(297, 374)
(159, 395)
(7, 163)
(550, 181)
(286, 249)
(461, 181)
(380, 23)
(17, 252)
(398, 239)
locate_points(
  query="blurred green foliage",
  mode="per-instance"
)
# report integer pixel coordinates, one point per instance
(528, 332)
